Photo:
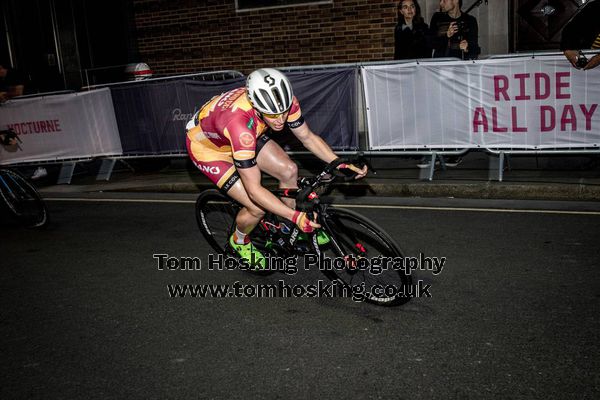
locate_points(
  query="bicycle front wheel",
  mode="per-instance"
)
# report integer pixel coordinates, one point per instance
(22, 199)
(360, 241)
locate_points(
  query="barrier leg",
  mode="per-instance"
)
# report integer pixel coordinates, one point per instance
(66, 172)
(501, 166)
(106, 169)
(432, 165)
(496, 169)
(442, 162)
(503, 157)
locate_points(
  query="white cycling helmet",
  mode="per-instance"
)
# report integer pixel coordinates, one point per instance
(269, 91)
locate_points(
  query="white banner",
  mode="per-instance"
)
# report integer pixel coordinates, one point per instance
(519, 103)
(67, 126)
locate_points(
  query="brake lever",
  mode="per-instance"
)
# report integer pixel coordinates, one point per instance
(349, 175)
(366, 162)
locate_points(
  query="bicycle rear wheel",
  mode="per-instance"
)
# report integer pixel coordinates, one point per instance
(215, 214)
(22, 199)
(353, 235)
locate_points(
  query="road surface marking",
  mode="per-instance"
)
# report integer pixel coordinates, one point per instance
(466, 209)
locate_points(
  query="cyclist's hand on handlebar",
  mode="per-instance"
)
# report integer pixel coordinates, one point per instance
(301, 220)
(353, 170)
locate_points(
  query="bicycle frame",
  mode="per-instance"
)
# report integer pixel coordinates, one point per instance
(312, 205)
(352, 237)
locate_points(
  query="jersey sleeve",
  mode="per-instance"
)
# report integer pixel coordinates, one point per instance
(243, 142)
(295, 118)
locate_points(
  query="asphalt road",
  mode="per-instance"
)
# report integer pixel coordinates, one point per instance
(86, 312)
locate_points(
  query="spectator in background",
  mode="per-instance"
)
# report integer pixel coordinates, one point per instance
(11, 82)
(411, 32)
(582, 32)
(454, 33)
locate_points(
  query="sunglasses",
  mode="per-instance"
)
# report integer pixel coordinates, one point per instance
(273, 116)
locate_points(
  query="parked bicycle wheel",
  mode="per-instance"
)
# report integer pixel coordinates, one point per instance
(361, 238)
(22, 199)
(215, 214)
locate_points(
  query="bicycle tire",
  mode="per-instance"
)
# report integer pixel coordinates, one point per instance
(22, 200)
(215, 215)
(362, 238)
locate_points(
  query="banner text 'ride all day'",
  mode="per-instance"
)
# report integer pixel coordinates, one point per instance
(554, 111)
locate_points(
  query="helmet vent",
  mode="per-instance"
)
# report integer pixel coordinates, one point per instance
(267, 99)
(286, 93)
(259, 103)
(278, 99)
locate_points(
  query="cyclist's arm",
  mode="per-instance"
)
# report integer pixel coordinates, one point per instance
(321, 149)
(314, 143)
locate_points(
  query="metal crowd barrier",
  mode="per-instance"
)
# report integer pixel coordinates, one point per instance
(433, 153)
(502, 153)
(68, 164)
(505, 153)
(108, 163)
(201, 76)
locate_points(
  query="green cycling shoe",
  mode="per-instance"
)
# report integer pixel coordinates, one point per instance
(322, 237)
(249, 253)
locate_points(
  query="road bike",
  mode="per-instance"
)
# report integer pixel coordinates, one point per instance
(356, 245)
(20, 198)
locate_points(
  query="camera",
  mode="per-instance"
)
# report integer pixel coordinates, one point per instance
(463, 29)
(581, 60)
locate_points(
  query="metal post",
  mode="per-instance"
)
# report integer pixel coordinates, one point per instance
(106, 169)
(500, 166)
(66, 172)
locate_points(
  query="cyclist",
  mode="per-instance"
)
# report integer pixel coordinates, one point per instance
(227, 140)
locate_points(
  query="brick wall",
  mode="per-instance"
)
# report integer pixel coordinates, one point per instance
(185, 36)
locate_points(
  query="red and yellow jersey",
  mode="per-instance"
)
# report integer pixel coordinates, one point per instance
(228, 124)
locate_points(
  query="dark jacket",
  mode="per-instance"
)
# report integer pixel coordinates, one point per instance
(583, 29)
(449, 47)
(411, 43)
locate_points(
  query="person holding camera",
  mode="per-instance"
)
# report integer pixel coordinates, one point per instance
(454, 33)
(582, 32)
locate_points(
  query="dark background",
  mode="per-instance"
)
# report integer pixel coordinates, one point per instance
(69, 44)
(53, 42)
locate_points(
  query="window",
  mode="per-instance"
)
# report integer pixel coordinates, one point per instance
(248, 5)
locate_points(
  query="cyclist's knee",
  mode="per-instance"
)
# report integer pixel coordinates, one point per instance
(256, 212)
(289, 173)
